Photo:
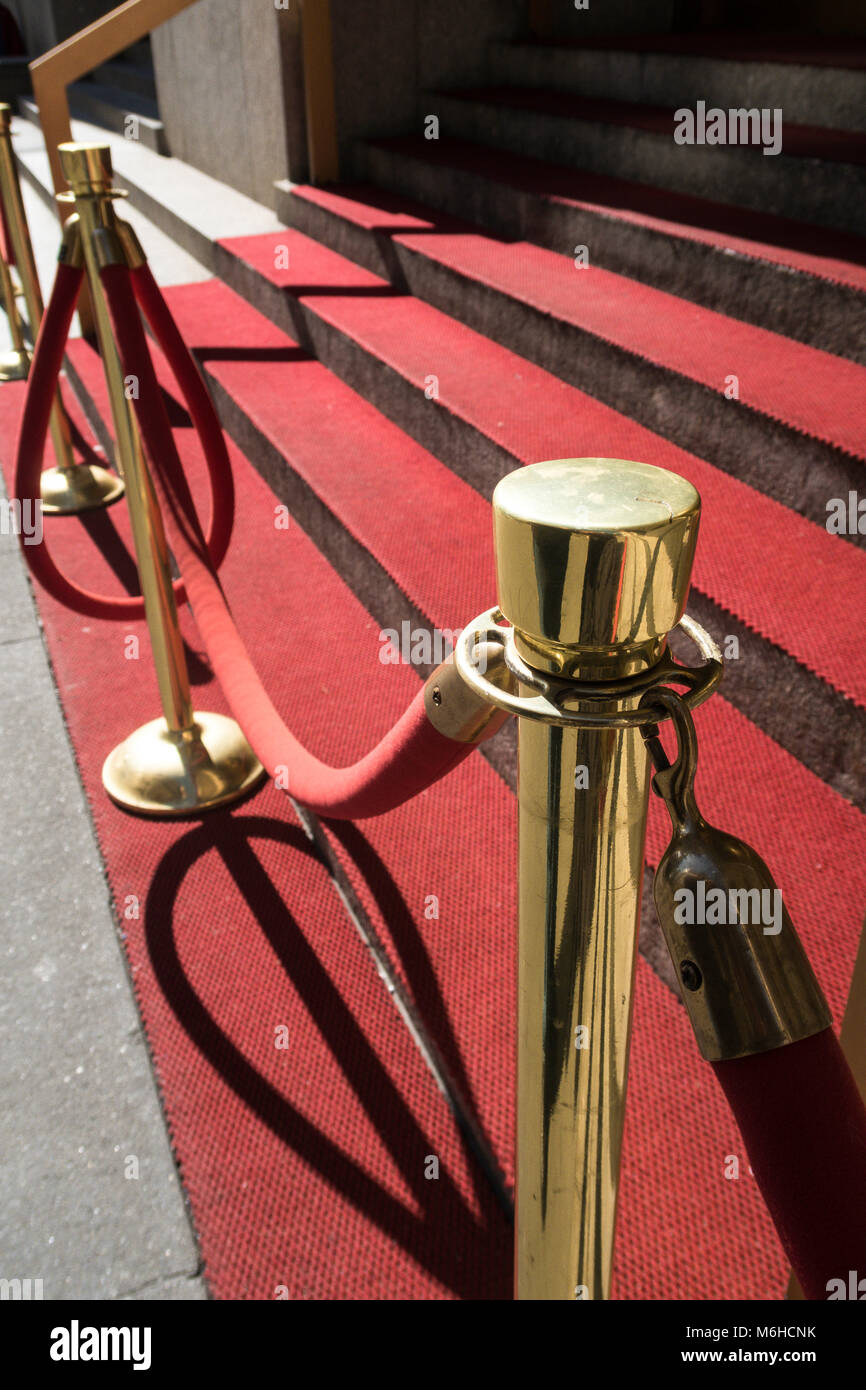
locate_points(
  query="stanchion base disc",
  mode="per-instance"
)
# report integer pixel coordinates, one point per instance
(161, 773)
(81, 488)
(14, 366)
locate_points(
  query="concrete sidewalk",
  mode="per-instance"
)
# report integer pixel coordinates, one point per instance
(90, 1201)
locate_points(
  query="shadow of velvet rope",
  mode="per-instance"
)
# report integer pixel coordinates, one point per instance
(484, 1236)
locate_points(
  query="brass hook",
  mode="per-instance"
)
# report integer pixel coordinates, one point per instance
(674, 781)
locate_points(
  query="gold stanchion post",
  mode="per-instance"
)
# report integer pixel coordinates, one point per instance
(69, 487)
(593, 560)
(186, 761)
(14, 365)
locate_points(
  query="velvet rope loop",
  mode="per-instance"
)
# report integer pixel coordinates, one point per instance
(412, 755)
(44, 376)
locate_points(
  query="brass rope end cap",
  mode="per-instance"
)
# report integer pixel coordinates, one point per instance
(593, 562)
(457, 711)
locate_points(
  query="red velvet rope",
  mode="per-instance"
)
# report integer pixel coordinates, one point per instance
(198, 401)
(803, 1122)
(411, 756)
(7, 250)
(44, 375)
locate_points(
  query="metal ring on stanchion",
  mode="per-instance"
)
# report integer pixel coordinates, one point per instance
(553, 704)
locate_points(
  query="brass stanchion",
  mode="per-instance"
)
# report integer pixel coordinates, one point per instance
(68, 487)
(186, 761)
(14, 365)
(593, 560)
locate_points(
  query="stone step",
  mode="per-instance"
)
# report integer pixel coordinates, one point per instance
(335, 432)
(809, 94)
(188, 207)
(819, 176)
(806, 282)
(792, 429)
(480, 408)
(127, 76)
(648, 354)
(846, 51)
(171, 263)
(105, 119)
(128, 113)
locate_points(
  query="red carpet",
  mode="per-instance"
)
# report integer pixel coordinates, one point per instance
(806, 389)
(761, 235)
(323, 425)
(305, 1165)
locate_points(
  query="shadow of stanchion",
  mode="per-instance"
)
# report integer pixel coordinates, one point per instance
(107, 540)
(468, 1255)
(114, 550)
(426, 994)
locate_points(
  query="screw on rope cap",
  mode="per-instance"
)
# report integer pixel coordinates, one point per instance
(747, 983)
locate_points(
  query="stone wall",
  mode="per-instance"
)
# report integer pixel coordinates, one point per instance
(229, 82)
(230, 79)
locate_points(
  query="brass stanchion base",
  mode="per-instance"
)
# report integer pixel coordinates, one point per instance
(14, 365)
(158, 772)
(81, 488)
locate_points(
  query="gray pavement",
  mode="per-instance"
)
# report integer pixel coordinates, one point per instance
(90, 1201)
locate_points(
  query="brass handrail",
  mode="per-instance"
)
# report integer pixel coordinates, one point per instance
(100, 41)
(79, 54)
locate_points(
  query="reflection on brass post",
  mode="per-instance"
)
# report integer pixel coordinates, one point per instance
(68, 487)
(593, 560)
(185, 761)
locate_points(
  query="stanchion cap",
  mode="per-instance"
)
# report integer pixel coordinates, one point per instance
(593, 562)
(86, 168)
